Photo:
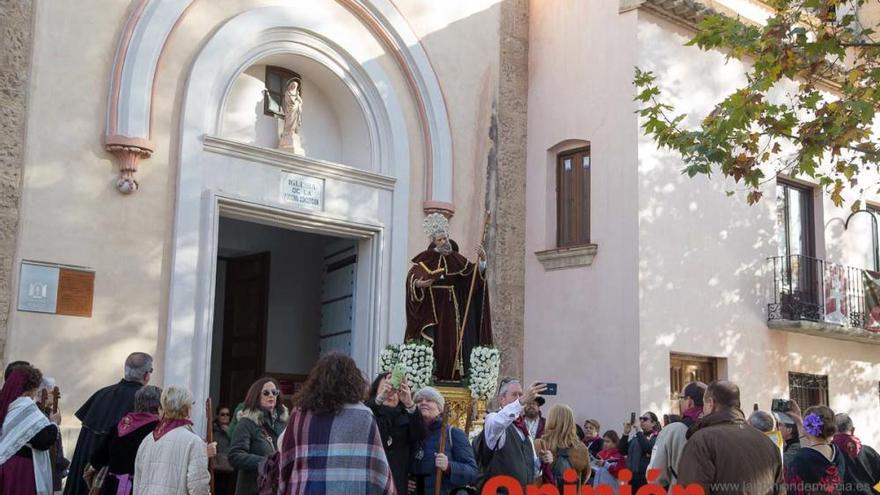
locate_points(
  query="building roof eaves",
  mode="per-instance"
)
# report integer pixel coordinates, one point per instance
(685, 12)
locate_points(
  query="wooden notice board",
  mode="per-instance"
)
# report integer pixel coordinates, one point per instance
(76, 292)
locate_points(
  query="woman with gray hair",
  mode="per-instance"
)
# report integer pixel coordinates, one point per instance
(117, 451)
(457, 460)
(172, 460)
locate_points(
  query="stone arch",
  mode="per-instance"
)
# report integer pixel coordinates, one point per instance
(130, 102)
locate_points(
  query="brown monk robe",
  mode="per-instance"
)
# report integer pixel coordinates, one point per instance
(437, 288)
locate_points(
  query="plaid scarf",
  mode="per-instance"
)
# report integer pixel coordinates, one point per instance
(332, 454)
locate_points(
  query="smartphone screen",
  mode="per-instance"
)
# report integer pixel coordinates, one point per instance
(632, 418)
(551, 389)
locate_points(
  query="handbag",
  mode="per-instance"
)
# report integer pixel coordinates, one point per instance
(97, 481)
(269, 474)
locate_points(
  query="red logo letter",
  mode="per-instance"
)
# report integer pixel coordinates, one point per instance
(496, 482)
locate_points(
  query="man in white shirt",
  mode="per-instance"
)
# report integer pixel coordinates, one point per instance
(511, 450)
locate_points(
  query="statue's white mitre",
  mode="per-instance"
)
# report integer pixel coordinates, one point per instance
(434, 224)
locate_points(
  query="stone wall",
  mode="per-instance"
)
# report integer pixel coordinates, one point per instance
(506, 186)
(16, 40)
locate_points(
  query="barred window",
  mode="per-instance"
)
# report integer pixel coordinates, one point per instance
(808, 390)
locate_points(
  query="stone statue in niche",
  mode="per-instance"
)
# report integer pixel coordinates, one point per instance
(292, 104)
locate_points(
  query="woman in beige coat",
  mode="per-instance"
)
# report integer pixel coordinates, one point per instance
(560, 438)
(172, 460)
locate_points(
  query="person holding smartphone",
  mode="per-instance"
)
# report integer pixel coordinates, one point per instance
(505, 447)
(400, 424)
(638, 443)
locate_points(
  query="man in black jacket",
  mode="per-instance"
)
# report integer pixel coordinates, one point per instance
(862, 462)
(102, 412)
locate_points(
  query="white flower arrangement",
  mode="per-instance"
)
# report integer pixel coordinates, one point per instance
(388, 357)
(417, 358)
(483, 376)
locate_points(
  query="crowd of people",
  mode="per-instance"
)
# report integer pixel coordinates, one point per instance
(343, 435)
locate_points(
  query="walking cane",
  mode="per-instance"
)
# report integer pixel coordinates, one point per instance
(438, 473)
(209, 438)
(56, 397)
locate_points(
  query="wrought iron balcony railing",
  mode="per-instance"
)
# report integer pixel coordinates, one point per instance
(810, 289)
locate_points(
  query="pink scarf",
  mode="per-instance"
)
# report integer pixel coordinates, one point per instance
(167, 425)
(693, 413)
(132, 421)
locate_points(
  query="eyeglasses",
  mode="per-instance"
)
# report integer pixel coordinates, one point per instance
(224, 414)
(644, 418)
(273, 393)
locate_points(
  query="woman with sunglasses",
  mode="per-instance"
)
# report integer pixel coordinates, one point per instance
(224, 474)
(260, 422)
(637, 443)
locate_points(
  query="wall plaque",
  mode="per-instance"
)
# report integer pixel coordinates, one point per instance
(76, 290)
(38, 288)
(48, 288)
(302, 192)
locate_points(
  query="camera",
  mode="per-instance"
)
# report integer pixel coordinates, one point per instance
(780, 405)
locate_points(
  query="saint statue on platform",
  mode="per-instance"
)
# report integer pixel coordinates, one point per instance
(292, 105)
(447, 301)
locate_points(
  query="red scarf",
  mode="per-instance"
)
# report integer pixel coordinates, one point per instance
(521, 425)
(167, 425)
(12, 389)
(614, 460)
(848, 443)
(133, 421)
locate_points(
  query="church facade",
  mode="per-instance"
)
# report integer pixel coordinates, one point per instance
(234, 224)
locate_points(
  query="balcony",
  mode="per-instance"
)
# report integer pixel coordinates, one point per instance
(813, 297)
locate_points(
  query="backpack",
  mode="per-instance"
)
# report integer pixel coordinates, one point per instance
(482, 452)
(560, 465)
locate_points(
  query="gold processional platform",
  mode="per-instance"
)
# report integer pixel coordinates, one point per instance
(465, 413)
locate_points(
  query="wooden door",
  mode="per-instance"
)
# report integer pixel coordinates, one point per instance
(337, 296)
(244, 325)
(684, 369)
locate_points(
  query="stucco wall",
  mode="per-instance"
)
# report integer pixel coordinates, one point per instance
(72, 214)
(581, 324)
(703, 275)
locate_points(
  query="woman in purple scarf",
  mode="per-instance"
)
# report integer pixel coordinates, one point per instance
(119, 448)
(25, 437)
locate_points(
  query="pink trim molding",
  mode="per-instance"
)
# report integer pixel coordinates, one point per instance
(442, 207)
(128, 152)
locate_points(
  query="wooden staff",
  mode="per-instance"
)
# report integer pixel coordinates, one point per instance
(470, 416)
(56, 398)
(209, 437)
(438, 473)
(467, 306)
